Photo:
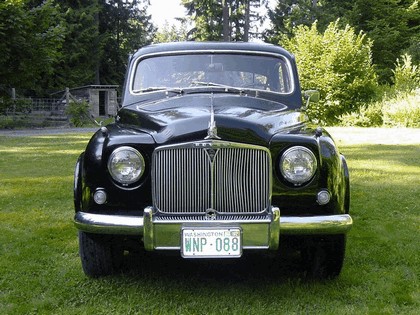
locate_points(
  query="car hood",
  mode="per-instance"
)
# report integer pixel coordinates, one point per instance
(236, 118)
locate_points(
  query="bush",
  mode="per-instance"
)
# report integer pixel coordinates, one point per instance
(78, 113)
(367, 116)
(402, 110)
(9, 106)
(338, 64)
(406, 74)
(398, 105)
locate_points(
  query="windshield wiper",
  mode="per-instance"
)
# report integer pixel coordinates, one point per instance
(160, 88)
(227, 88)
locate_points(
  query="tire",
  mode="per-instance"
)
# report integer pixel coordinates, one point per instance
(100, 255)
(323, 257)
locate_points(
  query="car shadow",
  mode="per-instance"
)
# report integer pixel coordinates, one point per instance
(250, 269)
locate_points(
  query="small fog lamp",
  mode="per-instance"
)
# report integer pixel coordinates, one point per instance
(99, 196)
(323, 197)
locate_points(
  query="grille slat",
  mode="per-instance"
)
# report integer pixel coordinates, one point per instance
(226, 177)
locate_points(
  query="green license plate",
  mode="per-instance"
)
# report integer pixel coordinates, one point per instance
(211, 242)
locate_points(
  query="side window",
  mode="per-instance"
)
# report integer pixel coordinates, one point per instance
(284, 84)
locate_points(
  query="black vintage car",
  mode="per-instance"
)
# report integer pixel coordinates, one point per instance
(211, 155)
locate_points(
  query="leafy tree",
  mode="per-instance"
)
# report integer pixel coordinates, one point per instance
(392, 25)
(338, 64)
(46, 45)
(31, 37)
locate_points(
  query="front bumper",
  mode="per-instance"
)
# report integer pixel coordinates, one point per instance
(164, 234)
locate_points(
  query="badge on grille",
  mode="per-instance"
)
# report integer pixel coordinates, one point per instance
(211, 153)
(211, 214)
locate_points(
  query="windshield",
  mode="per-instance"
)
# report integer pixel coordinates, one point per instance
(266, 73)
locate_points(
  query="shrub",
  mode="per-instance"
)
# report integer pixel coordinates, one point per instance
(406, 74)
(9, 106)
(402, 110)
(78, 113)
(367, 116)
(338, 64)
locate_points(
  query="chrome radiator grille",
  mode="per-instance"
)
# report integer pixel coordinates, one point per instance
(227, 177)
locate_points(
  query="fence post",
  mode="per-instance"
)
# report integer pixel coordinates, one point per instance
(67, 96)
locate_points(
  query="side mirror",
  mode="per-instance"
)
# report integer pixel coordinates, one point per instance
(311, 96)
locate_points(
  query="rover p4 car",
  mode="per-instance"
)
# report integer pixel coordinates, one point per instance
(211, 155)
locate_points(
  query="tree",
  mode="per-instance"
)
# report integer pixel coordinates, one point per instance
(31, 37)
(215, 20)
(81, 48)
(392, 25)
(171, 33)
(287, 15)
(124, 26)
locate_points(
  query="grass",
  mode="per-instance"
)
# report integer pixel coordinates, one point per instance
(40, 271)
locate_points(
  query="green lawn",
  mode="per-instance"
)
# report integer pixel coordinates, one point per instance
(40, 271)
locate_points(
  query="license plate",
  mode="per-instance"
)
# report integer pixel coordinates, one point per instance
(211, 243)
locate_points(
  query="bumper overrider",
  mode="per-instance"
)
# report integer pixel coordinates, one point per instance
(164, 233)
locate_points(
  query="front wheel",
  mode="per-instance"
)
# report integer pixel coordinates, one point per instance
(101, 255)
(323, 257)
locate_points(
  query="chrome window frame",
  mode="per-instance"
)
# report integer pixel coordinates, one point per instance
(214, 51)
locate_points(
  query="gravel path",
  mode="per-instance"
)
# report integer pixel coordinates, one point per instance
(44, 131)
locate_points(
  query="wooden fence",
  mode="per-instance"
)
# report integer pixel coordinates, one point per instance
(34, 112)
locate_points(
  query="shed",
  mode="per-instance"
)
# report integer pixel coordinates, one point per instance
(102, 99)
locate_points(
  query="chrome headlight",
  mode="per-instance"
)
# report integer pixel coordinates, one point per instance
(298, 165)
(126, 165)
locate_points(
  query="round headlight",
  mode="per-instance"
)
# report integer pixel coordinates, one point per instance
(126, 165)
(298, 165)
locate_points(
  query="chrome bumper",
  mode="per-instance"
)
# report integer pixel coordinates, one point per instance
(165, 234)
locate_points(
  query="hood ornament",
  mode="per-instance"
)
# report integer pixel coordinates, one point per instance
(212, 129)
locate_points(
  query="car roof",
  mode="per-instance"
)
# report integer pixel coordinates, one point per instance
(213, 46)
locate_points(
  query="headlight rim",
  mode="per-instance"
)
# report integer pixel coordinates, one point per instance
(286, 178)
(117, 180)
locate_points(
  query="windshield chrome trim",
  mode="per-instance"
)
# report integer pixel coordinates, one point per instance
(213, 51)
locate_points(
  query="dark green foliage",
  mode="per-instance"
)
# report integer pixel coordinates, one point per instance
(81, 60)
(287, 15)
(31, 37)
(391, 24)
(46, 46)
(124, 27)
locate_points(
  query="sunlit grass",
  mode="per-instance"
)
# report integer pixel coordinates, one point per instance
(40, 271)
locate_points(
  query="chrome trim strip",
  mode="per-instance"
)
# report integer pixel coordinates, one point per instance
(108, 224)
(214, 51)
(316, 225)
(148, 236)
(274, 240)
